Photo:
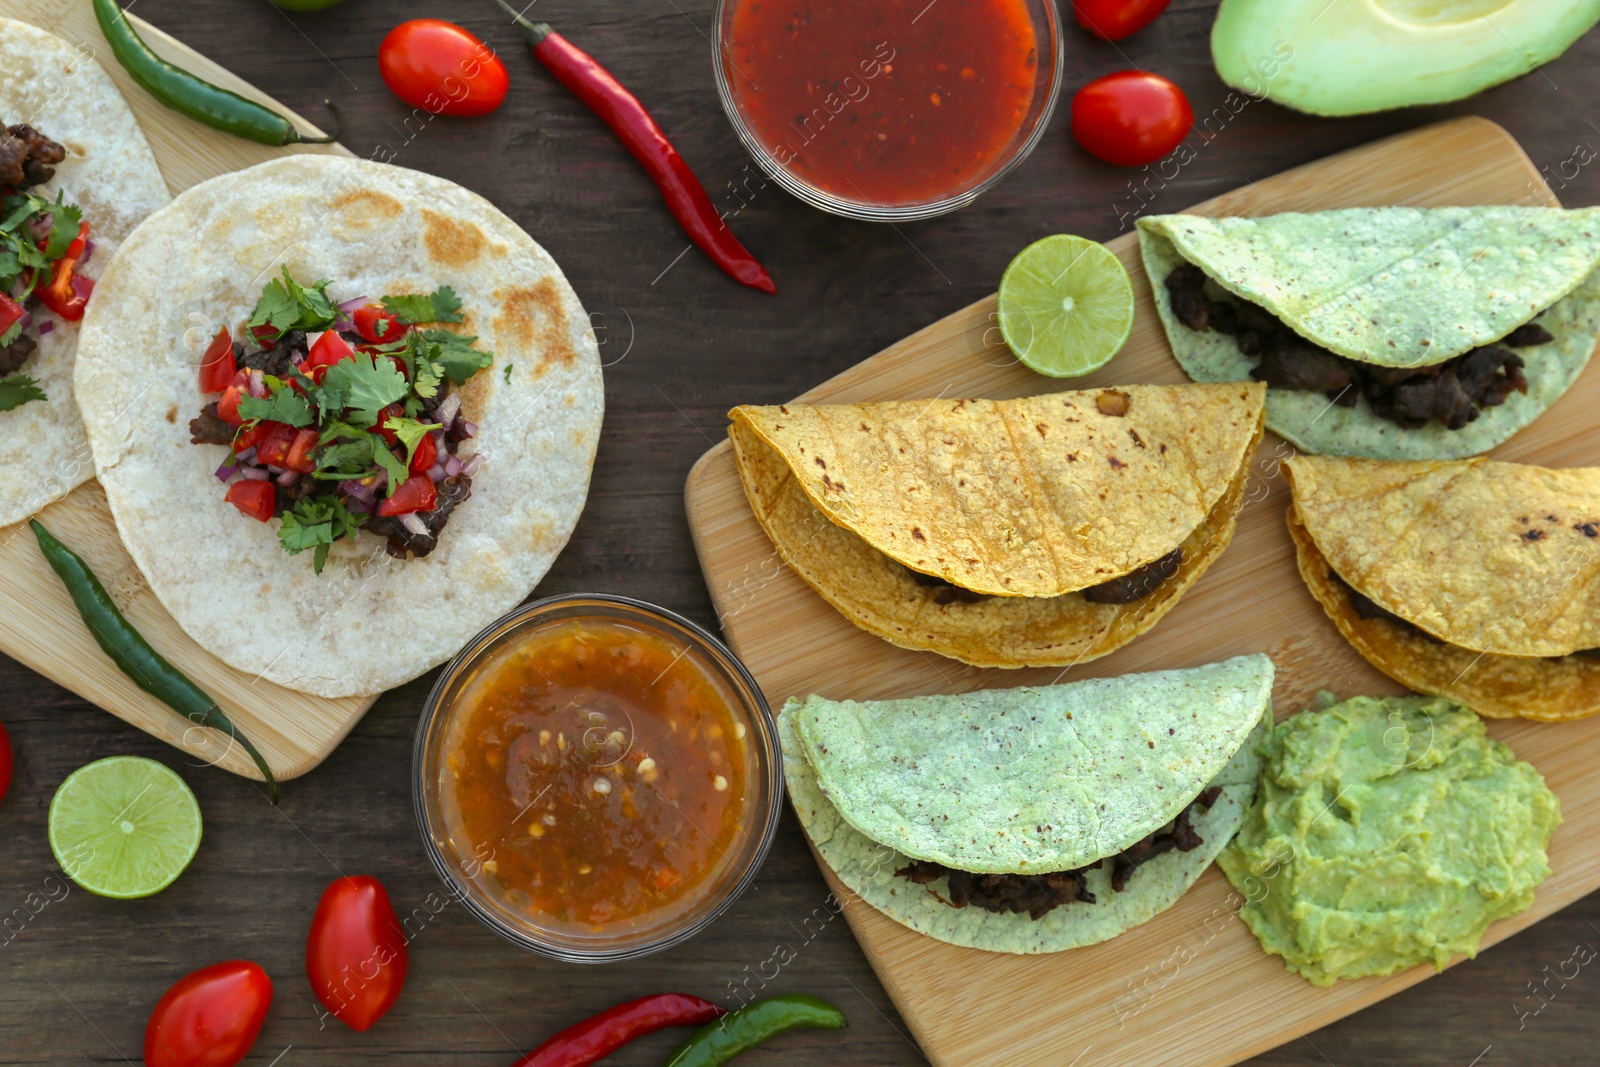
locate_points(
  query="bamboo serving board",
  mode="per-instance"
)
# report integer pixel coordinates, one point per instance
(39, 625)
(1191, 986)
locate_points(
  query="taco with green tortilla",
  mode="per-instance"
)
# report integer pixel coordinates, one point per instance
(1473, 580)
(1387, 333)
(1030, 820)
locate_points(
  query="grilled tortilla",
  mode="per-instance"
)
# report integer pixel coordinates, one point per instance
(973, 528)
(1474, 580)
(1028, 781)
(110, 174)
(369, 621)
(1399, 292)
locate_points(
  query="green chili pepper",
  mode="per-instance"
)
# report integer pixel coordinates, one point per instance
(199, 99)
(132, 653)
(717, 1043)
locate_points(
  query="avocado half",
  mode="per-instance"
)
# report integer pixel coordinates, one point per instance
(1348, 57)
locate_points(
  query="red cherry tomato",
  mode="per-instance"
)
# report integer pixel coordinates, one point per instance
(417, 493)
(5, 761)
(255, 499)
(426, 455)
(356, 953)
(329, 349)
(442, 68)
(216, 366)
(210, 1018)
(1116, 19)
(378, 325)
(1131, 118)
(273, 448)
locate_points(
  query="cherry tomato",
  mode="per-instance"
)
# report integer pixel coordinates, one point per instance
(255, 499)
(298, 457)
(216, 366)
(417, 494)
(1131, 118)
(1116, 19)
(356, 954)
(381, 427)
(426, 455)
(442, 68)
(329, 349)
(273, 448)
(5, 761)
(378, 325)
(210, 1018)
(228, 405)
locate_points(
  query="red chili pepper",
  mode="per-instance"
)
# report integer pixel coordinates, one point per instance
(643, 138)
(599, 1036)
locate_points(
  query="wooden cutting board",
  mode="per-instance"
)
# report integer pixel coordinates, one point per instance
(1192, 986)
(38, 624)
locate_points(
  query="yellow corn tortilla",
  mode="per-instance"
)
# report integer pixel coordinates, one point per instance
(1493, 557)
(1033, 497)
(1496, 686)
(880, 595)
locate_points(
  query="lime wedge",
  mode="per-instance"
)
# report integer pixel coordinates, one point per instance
(1066, 306)
(124, 827)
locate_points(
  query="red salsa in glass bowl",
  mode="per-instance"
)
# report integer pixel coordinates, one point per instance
(888, 109)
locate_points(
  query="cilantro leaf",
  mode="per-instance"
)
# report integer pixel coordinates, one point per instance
(286, 305)
(17, 390)
(454, 355)
(316, 523)
(64, 225)
(344, 460)
(11, 334)
(441, 305)
(282, 404)
(411, 432)
(364, 387)
(390, 463)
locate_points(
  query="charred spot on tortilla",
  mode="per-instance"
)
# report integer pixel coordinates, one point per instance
(453, 243)
(1114, 403)
(533, 314)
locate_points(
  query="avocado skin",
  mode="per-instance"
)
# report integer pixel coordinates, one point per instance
(1352, 57)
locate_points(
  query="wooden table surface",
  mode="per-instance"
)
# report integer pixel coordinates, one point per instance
(78, 975)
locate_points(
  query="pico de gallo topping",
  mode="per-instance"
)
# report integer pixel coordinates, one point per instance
(43, 243)
(342, 417)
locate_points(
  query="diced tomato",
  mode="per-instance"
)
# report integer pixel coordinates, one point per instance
(329, 349)
(378, 325)
(264, 335)
(273, 449)
(255, 499)
(381, 427)
(299, 455)
(417, 494)
(228, 405)
(216, 366)
(11, 313)
(426, 455)
(66, 294)
(250, 436)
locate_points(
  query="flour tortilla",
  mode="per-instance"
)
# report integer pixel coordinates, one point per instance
(867, 864)
(1312, 423)
(368, 622)
(109, 173)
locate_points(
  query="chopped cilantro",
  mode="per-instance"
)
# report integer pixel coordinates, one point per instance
(363, 386)
(13, 332)
(393, 467)
(17, 390)
(411, 432)
(286, 305)
(316, 523)
(508, 372)
(20, 254)
(282, 404)
(441, 305)
(454, 355)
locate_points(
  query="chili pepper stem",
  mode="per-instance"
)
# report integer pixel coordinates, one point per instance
(535, 32)
(338, 127)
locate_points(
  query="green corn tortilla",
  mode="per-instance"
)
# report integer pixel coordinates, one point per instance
(867, 868)
(1395, 287)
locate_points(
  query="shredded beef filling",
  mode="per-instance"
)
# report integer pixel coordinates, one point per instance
(1036, 895)
(1135, 585)
(27, 157)
(15, 354)
(1452, 393)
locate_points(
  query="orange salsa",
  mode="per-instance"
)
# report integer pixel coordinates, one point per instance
(598, 774)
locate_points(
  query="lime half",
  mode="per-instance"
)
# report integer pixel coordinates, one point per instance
(1066, 306)
(124, 827)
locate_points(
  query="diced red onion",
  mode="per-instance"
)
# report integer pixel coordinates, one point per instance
(258, 384)
(436, 473)
(274, 471)
(83, 287)
(46, 327)
(288, 478)
(39, 229)
(452, 466)
(27, 320)
(88, 252)
(445, 414)
(226, 471)
(414, 526)
(248, 455)
(473, 464)
(467, 430)
(358, 505)
(19, 287)
(356, 489)
(350, 305)
(254, 474)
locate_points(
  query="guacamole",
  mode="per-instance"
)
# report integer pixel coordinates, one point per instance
(1387, 832)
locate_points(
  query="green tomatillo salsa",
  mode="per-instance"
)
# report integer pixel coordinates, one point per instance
(343, 417)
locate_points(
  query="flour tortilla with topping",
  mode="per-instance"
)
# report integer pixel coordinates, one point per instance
(369, 622)
(109, 172)
(926, 785)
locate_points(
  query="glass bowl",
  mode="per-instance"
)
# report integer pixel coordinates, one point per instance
(457, 859)
(1047, 87)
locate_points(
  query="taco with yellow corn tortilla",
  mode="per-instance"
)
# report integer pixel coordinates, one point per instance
(1030, 820)
(1041, 531)
(1388, 333)
(1474, 580)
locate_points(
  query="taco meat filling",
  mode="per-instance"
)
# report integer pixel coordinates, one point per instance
(1135, 585)
(1036, 895)
(42, 245)
(1452, 393)
(343, 418)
